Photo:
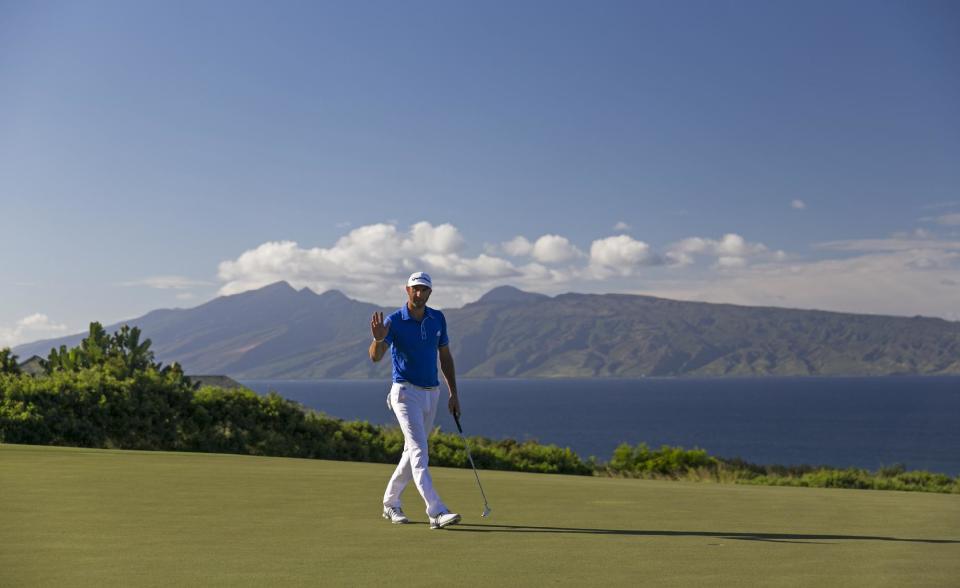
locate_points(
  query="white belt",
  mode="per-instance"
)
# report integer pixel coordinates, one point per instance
(427, 388)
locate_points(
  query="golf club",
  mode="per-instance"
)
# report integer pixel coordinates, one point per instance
(486, 507)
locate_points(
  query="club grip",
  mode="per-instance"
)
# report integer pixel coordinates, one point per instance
(456, 419)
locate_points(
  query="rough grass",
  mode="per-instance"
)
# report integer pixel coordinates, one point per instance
(85, 517)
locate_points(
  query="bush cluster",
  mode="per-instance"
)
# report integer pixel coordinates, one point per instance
(157, 410)
(92, 408)
(666, 462)
(154, 409)
(109, 392)
(676, 463)
(858, 478)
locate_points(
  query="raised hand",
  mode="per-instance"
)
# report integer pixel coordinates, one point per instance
(378, 329)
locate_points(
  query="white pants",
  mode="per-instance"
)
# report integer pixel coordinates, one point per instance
(416, 409)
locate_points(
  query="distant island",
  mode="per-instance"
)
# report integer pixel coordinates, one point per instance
(278, 332)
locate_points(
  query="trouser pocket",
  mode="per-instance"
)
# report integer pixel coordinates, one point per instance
(401, 396)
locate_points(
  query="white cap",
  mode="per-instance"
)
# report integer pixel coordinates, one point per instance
(420, 279)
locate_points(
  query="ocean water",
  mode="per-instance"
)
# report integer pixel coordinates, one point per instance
(840, 422)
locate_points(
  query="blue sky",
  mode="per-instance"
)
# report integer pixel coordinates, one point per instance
(158, 154)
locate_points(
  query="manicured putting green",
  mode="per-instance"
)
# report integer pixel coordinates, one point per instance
(83, 517)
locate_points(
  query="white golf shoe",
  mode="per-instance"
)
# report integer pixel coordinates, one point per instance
(395, 515)
(444, 519)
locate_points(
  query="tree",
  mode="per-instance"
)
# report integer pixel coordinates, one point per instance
(8, 362)
(64, 360)
(123, 353)
(127, 352)
(95, 347)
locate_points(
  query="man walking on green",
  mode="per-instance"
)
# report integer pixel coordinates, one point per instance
(416, 334)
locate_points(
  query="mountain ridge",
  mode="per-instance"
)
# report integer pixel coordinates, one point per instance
(278, 332)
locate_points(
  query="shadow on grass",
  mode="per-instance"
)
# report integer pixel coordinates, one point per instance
(773, 537)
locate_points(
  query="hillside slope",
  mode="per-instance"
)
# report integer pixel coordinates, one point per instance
(278, 332)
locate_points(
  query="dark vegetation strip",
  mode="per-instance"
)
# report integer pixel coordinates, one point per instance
(110, 393)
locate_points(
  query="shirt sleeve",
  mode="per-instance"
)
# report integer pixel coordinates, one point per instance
(444, 340)
(389, 336)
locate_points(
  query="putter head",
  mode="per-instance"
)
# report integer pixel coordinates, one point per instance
(486, 511)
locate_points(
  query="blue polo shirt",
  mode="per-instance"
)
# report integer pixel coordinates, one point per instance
(413, 345)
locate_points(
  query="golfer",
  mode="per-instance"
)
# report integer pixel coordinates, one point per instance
(416, 335)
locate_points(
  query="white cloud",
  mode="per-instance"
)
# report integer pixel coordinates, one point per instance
(681, 253)
(369, 262)
(890, 244)
(951, 219)
(621, 226)
(35, 326)
(551, 249)
(621, 255)
(893, 281)
(918, 233)
(734, 245)
(902, 275)
(731, 250)
(727, 261)
(441, 239)
(482, 266)
(167, 283)
(554, 249)
(798, 204)
(371, 251)
(517, 247)
(947, 219)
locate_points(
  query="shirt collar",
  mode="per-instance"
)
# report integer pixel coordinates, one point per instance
(405, 312)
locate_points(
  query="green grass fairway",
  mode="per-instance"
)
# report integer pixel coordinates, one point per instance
(83, 517)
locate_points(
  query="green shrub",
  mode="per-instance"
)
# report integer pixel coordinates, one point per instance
(666, 462)
(447, 449)
(158, 409)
